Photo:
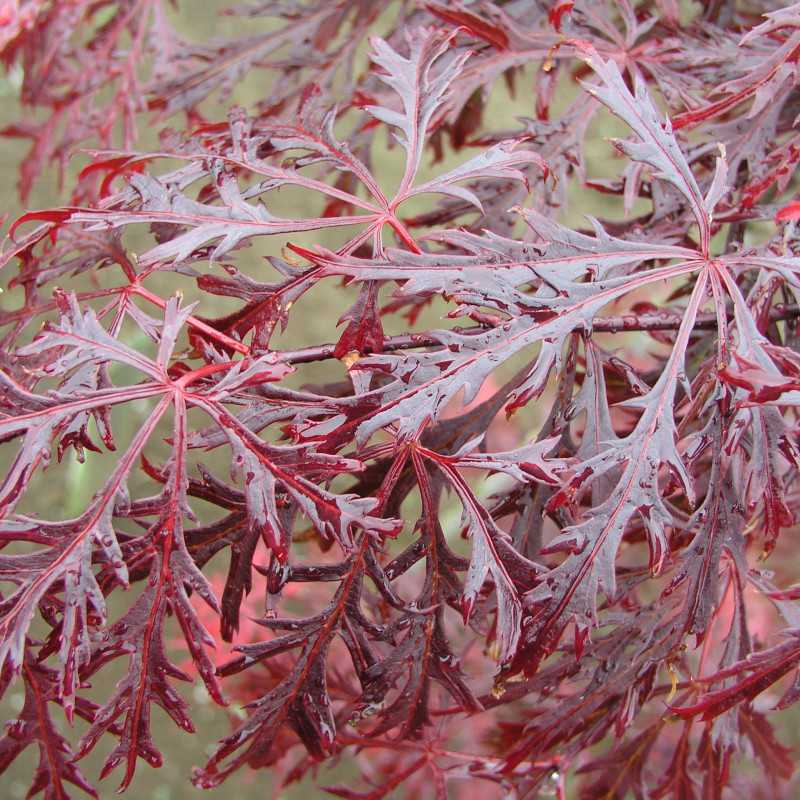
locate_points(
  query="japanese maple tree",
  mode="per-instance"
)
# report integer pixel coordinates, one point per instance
(616, 612)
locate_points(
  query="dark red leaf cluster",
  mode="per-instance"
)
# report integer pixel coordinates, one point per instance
(597, 615)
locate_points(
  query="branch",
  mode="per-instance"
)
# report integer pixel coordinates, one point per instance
(625, 323)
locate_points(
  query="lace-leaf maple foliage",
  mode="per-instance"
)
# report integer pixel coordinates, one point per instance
(614, 613)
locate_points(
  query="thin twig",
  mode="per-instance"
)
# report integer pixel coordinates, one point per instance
(625, 323)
